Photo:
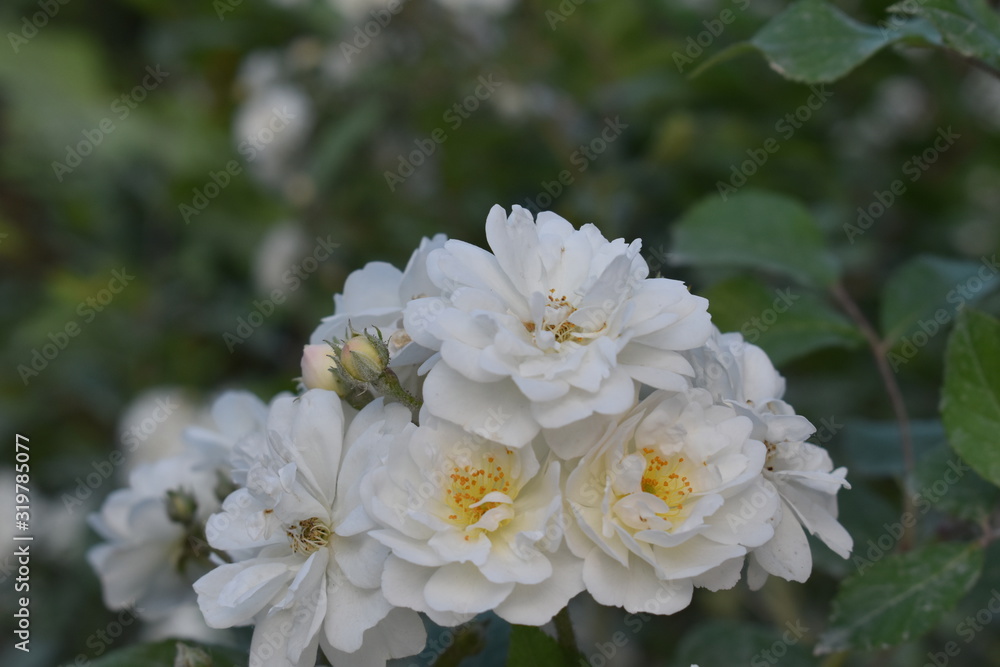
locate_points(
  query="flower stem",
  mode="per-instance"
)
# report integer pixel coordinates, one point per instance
(565, 634)
(879, 347)
(388, 385)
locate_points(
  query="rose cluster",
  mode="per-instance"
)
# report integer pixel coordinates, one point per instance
(482, 431)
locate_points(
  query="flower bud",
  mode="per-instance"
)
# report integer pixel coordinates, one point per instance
(317, 361)
(362, 358)
(181, 506)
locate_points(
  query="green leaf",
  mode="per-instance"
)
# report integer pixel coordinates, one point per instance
(943, 480)
(923, 295)
(787, 323)
(874, 446)
(970, 27)
(814, 42)
(900, 597)
(866, 515)
(728, 642)
(173, 653)
(530, 646)
(758, 230)
(970, 401)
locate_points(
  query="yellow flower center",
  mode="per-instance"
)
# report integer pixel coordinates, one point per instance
(556, 321)
(667, 479)
(308, 535)
(471, 482)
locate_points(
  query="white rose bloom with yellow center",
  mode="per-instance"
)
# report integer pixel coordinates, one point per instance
(742, 375)
(672, 498)
(473, 525)
(550, 332)
(309, 576)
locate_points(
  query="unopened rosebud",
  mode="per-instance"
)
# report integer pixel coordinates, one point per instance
(364, 357)
(181, 506)
(317, 362)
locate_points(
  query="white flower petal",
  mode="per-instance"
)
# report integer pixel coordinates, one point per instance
(352, 611)
(514, 241)
(308, 431)
(129, 573)
(454, 545)
(536, 604)
(787, 554)
(254, 583)
(460, 263)
(524, 565)
(636, 589)
(404, 584)
(361, 559)
(398, 635)
(371, 433)
(722, 577)
(497, 410)
(617, 394)
(461, 588)
(374, 286)
(414, 551)
(217, 595)
(274, 645)
(576, 439)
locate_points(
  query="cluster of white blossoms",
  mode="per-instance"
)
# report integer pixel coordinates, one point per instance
(483, 431)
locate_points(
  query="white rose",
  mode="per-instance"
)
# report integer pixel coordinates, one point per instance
(473, 526)
(550, 332)
(743, 376)
(672, 498)
(143, 561)
(314, 577)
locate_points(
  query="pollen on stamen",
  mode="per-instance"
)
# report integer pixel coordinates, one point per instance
(662, 479)
(469, 485)
(308, 535)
